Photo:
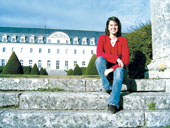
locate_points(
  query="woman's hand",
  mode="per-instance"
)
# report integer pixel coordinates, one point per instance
(107, 71)
(120, 63)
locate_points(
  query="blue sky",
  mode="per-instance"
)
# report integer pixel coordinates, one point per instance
(73, 14)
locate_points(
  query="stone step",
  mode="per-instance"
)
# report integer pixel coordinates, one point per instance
(63, 100)
(9, 99)
(80, 84)
(83, 119)
(147, 100)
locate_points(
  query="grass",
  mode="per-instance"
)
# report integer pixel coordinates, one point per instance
(46, 76)
(50, 89)
(151, 106)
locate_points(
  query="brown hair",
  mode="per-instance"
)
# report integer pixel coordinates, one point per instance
(113, 18)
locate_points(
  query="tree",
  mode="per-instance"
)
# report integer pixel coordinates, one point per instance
(140, 48)
(70, 72)
(42, 71)
(91, 68)
(45, 71)
(77, 70)
(13, 65)
(35, 70)
(27, 69)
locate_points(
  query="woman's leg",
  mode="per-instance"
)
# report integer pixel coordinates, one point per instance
(101, 67)
(116, 87)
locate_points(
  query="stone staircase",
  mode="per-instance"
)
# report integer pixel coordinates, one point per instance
(82, 103)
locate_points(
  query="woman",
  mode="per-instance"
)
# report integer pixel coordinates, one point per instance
(112, 58)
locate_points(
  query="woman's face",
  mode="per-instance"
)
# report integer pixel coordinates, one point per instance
(113, 27)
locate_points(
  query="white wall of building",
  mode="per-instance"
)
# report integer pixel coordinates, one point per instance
(60, 52)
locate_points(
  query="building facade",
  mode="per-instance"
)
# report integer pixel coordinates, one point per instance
(53, 49)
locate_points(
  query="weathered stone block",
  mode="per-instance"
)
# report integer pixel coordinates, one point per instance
(148, 85)
(167, 85)
(68, 84)
(68, 119)
(140, 101)
(9, 99)
(23, 83)
(159, 118)
(95, 85)
(63, 100)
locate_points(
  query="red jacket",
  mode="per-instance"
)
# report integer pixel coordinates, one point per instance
(111, 54)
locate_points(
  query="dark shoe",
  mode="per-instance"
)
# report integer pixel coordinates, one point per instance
(112, 109)
(108, 91)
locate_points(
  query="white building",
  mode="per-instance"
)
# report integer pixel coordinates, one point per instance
(53, 49)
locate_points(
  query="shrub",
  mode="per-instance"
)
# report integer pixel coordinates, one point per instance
(13, 65)
(140, 48)
(70, 72)
(42, 71)
(34, 70)
(1, 68)
(45, 71)
(77, 70)
(91, 68)
(83, 70)
(27, 69)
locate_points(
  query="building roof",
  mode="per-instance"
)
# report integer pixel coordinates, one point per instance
(45, 32)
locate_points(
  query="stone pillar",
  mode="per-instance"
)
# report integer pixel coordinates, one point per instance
(160, 19)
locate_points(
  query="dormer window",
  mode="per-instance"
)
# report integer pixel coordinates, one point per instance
(75, 40)
(31, 40)
(13, 38)
(4, 38)
(40, 39)
(92, 41)
(48, 40)
(22, 39)
(84, 41)
(58, 41)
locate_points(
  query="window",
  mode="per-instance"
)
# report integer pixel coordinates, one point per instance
(75, 40)
(13, 39)
(83, 51)
(39, 64)
(22, 62)
(49, 50)
(58, 41)
(22, 39)
(66, 51)
(12, 49)
(84, 40)
(66, 65)
(30, 63)
(31, 40)
(21, 50)
(3, 62)
(49, 41)
(92, 41)
(40, 50)
(92, 52)
(3, 49)
(57, 64)
(58, 51)
(75, 51)
(48, 64)
(83, 63)
(40, 39)
(67, 41)
(31, 50)
(75, 62)
(4, 38)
